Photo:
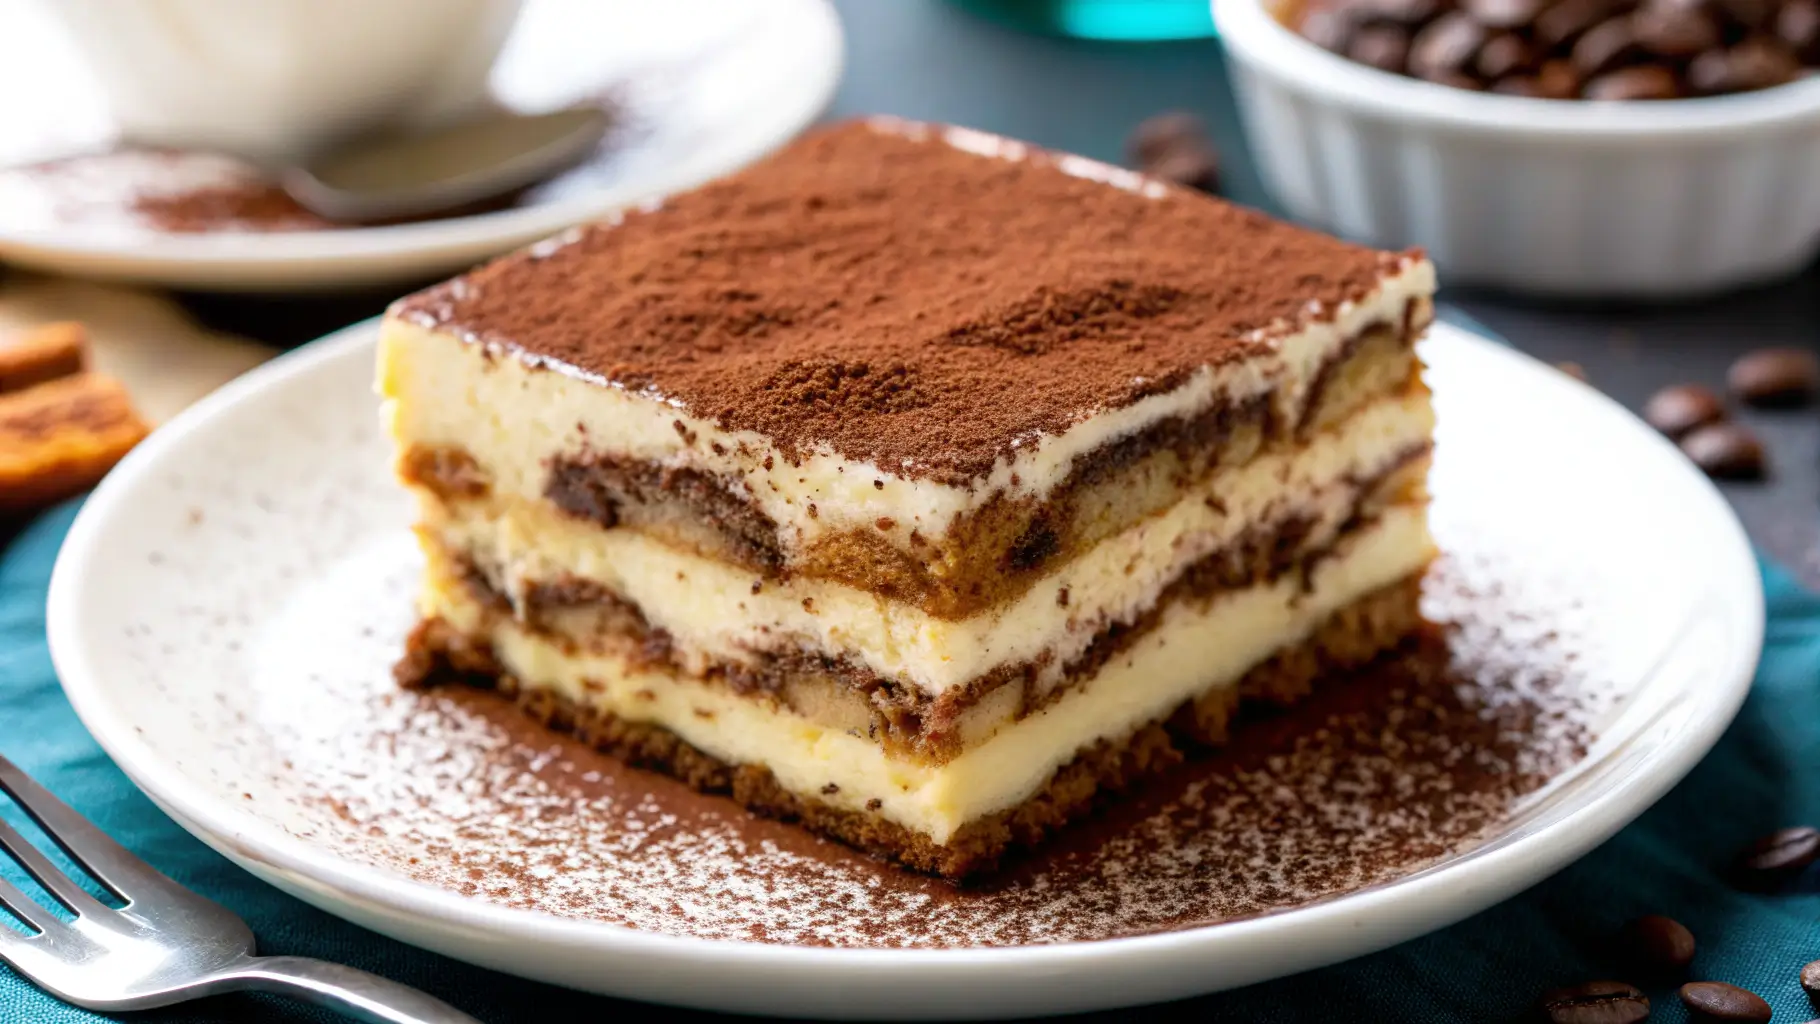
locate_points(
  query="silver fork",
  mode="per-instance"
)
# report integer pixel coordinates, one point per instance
(166, 944)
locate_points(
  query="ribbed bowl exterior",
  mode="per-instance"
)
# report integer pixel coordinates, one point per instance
(1566, 198)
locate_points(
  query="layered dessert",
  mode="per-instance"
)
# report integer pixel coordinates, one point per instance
(915, 484)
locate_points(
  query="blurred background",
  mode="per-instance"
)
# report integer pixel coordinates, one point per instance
(209, 276)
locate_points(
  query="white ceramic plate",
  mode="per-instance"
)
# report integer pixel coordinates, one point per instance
(235, 561)
(707, 86)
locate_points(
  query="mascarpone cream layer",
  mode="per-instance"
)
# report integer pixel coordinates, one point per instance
(1197, 647)
(718, 612)
(514, 410)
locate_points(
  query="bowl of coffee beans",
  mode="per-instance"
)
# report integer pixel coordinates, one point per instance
(1617, 148)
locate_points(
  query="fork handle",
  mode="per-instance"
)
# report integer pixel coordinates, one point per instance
(349, 990)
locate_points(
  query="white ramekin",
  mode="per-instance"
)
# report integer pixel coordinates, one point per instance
(1659, 199)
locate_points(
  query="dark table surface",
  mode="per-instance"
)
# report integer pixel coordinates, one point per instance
(925, 59)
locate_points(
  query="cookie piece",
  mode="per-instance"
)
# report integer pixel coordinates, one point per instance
(41, 354)
(61, 437)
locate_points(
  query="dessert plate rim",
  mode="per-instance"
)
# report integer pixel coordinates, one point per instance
(884, 983)
(303, 261)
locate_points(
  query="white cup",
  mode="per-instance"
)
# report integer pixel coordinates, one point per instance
(276, 80)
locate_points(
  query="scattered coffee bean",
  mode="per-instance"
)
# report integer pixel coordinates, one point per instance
(1678, 409)
(1810, 981)
(1574, 370)
(1644, 82)
(1158, 136)
(1775, 377)
(1596, 1002)
(1717, 1001)
(1192, 168)
(1778, 857)
(1385, 47)
(1659, 944)
(1726, 451)
(1174, 147)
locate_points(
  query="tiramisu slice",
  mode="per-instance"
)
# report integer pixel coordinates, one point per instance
(915, 484)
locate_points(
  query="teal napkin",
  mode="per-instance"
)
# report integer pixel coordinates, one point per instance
(1764, 774)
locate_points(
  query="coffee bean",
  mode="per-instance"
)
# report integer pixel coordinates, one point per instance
(1557, 80)
(1565, 21)
(1775, 377)
(1660, 944)
(1678, 409)
(1675, 28)
(1574, 370)
(1778, 857)
(1504, 13)
(1445, 47)
(1385, 47)
(1717, 1001)
(1408, 13)
(1798, 26)
(1158, 136)
(1644, 82)
(1726, 451)
(1604, 46)
(1810, 981)
(1762, 62)
(1503, 55)
(1458, 80)
(1618, 50)
(1596, 1002)
(1755, 63)
(1749, 14)
(1329, 28)
(1197, 168)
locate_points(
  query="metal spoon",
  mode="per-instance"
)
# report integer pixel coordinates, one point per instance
(431, 172)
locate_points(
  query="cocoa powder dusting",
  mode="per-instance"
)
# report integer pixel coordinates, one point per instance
(181, 192)
(900, 299)
(252, 206)
(1372, 779)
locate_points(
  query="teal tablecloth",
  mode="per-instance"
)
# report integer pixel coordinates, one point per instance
(1764, 774)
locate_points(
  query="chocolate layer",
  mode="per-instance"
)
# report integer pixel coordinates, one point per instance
(833, 689)
(1350, 638)
(889, 295)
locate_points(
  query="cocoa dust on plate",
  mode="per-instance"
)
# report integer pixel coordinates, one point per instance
(1374, 778)
(183, 192)
(177, 193)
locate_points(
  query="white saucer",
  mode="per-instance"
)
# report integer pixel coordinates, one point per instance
(251, 555)
(705, 87)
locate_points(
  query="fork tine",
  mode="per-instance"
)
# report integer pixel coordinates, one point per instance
(48, 874)
(25, 908)
(108, 862)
